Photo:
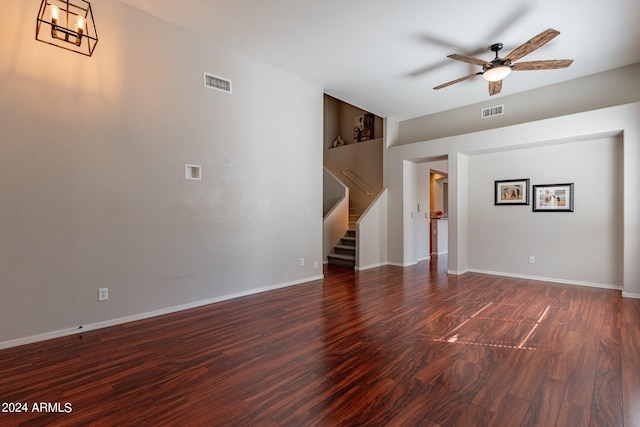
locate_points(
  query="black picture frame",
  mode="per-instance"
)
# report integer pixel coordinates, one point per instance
(553, 198)
(510, 192)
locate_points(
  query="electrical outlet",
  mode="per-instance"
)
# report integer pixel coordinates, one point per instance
(301, 261)
(103, 294)
(315, 264)
(532, 260)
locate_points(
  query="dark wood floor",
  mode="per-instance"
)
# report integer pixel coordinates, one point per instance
(389, 346)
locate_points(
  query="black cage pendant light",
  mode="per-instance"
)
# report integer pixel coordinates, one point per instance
(67, 24)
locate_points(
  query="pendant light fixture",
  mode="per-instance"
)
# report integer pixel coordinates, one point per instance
(67, 24)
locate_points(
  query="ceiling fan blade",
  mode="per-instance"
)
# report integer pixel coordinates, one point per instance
(531, 45)
(468, 59)
(551, 64)
(495, 87)
(456, 81)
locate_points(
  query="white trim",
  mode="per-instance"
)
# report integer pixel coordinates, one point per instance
(427, 258)
(457, 273)
(630, 295)
(548, 279)
(370, 266)
(397, 264)
(113, 322)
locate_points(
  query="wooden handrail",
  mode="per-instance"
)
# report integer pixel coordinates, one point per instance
(358, 181)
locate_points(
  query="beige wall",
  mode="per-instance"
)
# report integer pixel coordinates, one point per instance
(364, 158)
(606, 89)
(92, 155)
(584, 246)
(586, 145)
(339, 120)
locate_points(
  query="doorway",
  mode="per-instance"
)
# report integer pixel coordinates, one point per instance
(430, 193)
(439, 212)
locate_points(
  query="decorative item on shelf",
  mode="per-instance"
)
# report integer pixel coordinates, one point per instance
(338, 142)
(67, 24)
(363, 127)
(438, 214)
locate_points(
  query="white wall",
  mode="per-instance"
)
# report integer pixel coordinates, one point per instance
(92, 154)
(395, 221)
(620, 121)
(372, 235)
(458, 212)
(584, 246)
(410, 204)
(422, 216)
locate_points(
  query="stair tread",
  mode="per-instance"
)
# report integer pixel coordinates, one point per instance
(344, 253)
(340, 256)
(350, 247)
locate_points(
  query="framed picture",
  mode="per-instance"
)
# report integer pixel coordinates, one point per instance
(512, 192)
(363, 127)
(553, 198)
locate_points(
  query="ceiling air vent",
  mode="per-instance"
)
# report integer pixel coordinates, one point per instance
(498, 110)
(217, 83)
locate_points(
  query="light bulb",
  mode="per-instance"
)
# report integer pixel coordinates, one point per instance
(55, 14)
(80, 23)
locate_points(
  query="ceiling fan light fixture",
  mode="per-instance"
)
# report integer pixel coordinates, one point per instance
(494, 74)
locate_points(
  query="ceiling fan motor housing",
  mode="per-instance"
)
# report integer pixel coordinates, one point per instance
(497, 61)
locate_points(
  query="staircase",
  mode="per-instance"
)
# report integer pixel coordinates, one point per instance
(344, 253)
(353, 219)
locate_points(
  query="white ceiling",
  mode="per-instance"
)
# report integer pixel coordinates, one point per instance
(386, 57)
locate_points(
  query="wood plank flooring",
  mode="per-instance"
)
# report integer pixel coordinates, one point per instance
(385, 347)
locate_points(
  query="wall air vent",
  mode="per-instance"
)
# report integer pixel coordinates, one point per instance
(498, 110)
(217, 83)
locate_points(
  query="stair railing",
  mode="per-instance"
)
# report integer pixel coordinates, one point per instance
(358, 181)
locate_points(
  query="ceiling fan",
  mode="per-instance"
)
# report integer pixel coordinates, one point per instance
(499, 68)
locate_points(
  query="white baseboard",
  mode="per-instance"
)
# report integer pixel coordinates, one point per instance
(113, 322)
(548, 279)
(397, 264)
(370, 266)
(630, 295)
